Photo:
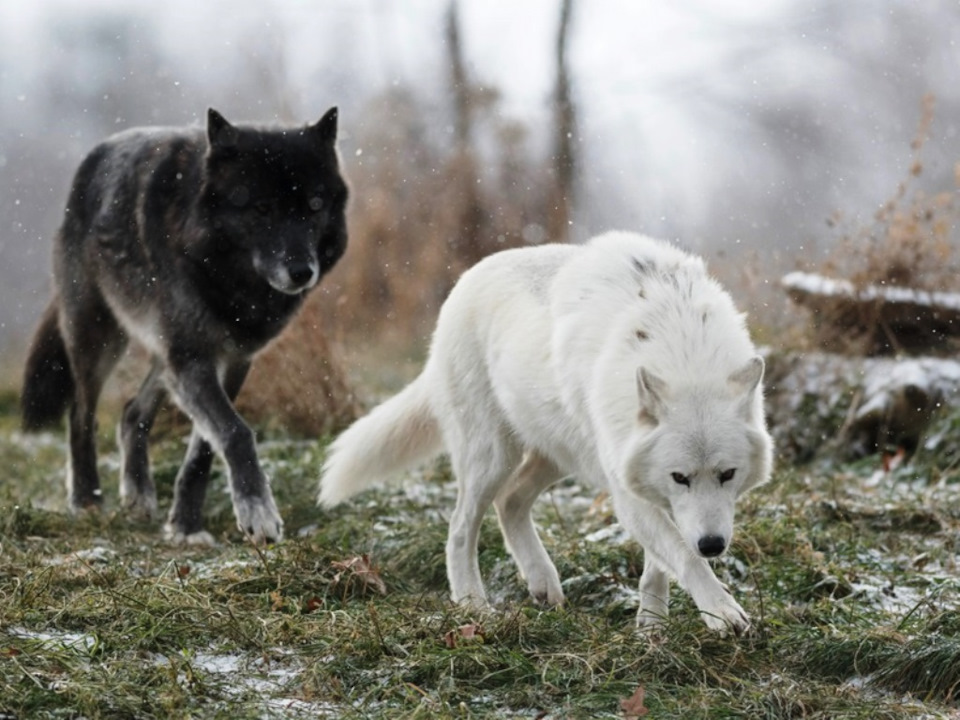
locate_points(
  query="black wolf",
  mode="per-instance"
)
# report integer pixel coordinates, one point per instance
(200, 245)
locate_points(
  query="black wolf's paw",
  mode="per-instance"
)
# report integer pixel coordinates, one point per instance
(176, 536)
(140, 507)
(258, 519)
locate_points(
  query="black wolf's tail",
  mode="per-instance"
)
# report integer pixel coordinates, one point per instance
(47, 381)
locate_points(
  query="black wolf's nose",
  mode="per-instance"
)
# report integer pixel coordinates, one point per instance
(711, 545)
(300, 273)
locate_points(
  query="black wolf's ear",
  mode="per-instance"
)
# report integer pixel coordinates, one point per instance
(747, 378)
(653, 392)
(220, 133)
(326, 127)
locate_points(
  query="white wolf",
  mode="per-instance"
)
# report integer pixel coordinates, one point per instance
(620, 362)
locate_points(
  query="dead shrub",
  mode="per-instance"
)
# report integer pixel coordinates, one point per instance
(423, 211)
(909, 244)
(298, 383)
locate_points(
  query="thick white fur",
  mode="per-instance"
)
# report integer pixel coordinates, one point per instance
(620, 362)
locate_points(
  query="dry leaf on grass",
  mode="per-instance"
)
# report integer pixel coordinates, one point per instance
(633, 706)
(359, 568)
(469, 632)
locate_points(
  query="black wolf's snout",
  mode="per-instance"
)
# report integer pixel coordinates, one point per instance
(711, 545)
(300, 272)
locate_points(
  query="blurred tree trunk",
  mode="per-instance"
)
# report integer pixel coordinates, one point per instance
(564, 160)
(468, 245)
(462, 106)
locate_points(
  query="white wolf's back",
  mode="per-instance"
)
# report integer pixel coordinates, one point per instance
(651, 303)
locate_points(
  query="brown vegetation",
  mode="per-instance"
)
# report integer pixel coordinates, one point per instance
(910, 243)
(299, 381)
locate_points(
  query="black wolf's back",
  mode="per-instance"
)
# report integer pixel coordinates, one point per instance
(47, 381)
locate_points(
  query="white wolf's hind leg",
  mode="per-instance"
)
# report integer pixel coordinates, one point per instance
(513, 504)
(480, 470)
(654, 594)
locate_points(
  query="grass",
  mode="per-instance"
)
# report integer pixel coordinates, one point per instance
(849, 574)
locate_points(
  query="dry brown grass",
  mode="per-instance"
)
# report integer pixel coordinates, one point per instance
(422, 213)
(910, 243)
(299, 382)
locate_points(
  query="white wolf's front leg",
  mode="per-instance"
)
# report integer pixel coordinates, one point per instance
(662, 540)
(654, 594)
(717, 607)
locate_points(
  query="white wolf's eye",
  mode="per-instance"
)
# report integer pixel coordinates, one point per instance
(680, 479)
(727, 475)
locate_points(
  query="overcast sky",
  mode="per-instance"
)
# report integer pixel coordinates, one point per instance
(717, 122)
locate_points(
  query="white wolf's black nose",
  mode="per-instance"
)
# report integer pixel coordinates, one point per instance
(711, 545)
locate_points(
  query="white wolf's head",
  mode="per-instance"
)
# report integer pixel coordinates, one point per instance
(697, 449)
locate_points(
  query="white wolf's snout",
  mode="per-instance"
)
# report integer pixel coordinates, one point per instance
(705, 520)
(711, 545)
(707, 541)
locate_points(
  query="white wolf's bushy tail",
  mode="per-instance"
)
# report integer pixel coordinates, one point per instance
(394, 437)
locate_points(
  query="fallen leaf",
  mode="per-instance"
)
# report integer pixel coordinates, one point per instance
(362, 569)
(633, 706)
(467, 632)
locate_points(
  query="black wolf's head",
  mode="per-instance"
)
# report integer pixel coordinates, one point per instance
(275, 197)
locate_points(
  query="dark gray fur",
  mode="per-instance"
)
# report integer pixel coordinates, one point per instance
(201, 245)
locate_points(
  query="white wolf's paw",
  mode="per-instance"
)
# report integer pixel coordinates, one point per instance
(258, 519)
(475, 603)
(545, 587)
(651, 622)
(195, 539)
(726, 616)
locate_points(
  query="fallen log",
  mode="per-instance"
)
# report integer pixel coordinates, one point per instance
(876, 320)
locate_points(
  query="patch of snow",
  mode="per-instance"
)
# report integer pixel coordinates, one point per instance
(36, 441)
(79, 642)
(268, 679)
(96, 554)
(830, 287)
(614, 533)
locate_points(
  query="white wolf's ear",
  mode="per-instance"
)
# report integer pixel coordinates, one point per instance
(653, 392)
(747, 378)
(761, 459)
(745, 382)
(326, 127)
(220, 133)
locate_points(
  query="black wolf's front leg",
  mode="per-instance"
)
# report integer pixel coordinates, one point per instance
(198, 391)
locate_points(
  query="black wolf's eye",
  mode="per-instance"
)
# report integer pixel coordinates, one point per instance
(727, 475)
(680, 479)
(262, 207)
(315, 204)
